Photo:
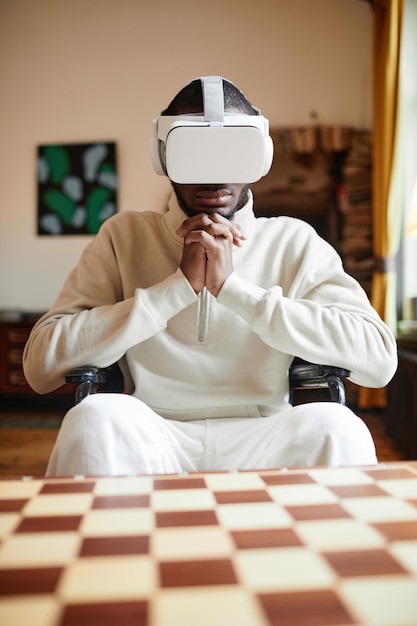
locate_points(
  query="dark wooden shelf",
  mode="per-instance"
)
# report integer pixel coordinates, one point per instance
(14, 389)
(401, 411)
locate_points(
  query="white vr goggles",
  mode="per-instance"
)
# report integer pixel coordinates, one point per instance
(214, 147)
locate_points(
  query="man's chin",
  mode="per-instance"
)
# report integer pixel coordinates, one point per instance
(226, 211)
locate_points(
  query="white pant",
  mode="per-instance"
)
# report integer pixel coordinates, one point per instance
(117, 434)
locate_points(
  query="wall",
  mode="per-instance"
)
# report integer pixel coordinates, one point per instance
(81, 70)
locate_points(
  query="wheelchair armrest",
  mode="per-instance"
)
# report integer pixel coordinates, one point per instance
(91, 379)
(305, 372)
(303, 375)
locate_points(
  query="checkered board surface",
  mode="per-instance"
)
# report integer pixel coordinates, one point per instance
(297, 547)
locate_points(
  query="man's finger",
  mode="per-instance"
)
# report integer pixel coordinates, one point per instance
(214, 224)
(197, 222)
(206, 239)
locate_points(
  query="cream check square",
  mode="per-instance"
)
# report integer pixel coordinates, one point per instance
(340, 476)
(59, 504)
(13, 489)
(384, 601)
(283, 569)
(253, 515)
(126, 486)
(39, 549)
(182, 500)
(234, 481)
(108, 579)
(406, 553)
(110, 522)
(8, 522)
(332, 534)
(380, 509)
(188, 543)
(406, 489)
(40, 610)
(220, 606)
(301, 494)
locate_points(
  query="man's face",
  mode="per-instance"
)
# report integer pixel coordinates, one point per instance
(225, 198)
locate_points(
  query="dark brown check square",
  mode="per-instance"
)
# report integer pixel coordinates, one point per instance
(236, 497)
(114, 546)
(358, 491)
(68, 487)
(265, 538)
(287, 479)
(186, 518)
(12, 505)
(308, 608)
(106, 614)
(29, 580)
(57, 523)
(317, 511)
(397, 531)
(364, 563)
(121, 502)
(179, 483)
(196, 573)
(394, 473)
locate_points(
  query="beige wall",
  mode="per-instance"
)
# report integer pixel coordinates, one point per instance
(81, 70)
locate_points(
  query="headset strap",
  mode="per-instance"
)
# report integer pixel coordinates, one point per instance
(212, 87)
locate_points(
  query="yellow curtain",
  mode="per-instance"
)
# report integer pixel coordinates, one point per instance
(387, 209)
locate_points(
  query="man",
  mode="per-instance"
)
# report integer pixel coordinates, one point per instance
(204, 307)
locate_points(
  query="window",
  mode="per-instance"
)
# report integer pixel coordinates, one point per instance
(408, 134)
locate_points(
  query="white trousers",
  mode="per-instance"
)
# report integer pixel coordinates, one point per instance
(117, 434)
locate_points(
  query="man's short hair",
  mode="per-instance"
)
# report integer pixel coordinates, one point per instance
(190, 100)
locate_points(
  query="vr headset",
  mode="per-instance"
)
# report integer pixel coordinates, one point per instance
(214, 147)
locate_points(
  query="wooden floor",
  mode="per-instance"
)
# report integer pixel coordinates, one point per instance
(386, 448)
(26, 441)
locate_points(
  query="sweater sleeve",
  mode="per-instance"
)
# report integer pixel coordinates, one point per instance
(91, 324)
(325, 318)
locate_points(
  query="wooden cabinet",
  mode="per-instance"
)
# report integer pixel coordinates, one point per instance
(13, 385)
(401, 411)
(13, 336)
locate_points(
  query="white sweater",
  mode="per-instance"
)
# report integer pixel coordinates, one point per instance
(189, 356)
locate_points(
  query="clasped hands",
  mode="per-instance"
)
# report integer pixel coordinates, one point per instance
(207, 253)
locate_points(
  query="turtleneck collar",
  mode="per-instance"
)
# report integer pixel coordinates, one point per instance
(175, 216)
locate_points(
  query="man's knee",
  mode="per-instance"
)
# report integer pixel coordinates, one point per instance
(340, 436)
(105, 434)
(340, 419)
(329, 415)
(105, 407)
(349, 439)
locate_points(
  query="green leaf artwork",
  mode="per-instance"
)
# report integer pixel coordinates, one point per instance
(77, 187)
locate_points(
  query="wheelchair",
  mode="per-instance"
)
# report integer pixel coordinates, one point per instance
(302, 376)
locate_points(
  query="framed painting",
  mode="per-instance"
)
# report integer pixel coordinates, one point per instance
(77, 187)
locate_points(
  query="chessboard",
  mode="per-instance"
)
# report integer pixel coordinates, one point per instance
(301, 547)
